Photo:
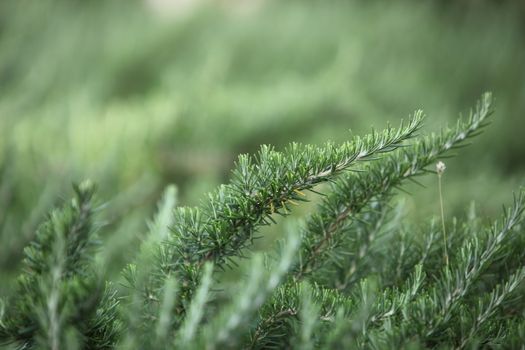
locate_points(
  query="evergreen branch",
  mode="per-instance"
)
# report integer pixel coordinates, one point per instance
(345, 330)
(273, 326)
(456, 283)
(367, 230)
(59, 294)
(509, 334)
(105, 328)
(50, 317)
(309, 316)
(431, 314)
(395, 299)
(159, 227)
(489, 305)
(166, 314)
(354, 191)
(429, 247)
(144, 308)
(196, 308)
(224, 329)
(264, 185)
(71, 226)
(398, 254)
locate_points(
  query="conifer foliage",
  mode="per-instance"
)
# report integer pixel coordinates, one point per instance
(354, 274)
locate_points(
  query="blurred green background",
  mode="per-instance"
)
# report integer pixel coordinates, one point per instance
(139, 94)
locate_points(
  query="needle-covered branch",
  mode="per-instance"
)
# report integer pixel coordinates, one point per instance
(353, 192)
(265, 184)
(429, 310)
(275, 318)
(58, 290)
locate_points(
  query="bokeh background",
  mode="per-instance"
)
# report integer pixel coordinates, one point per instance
(136, 95)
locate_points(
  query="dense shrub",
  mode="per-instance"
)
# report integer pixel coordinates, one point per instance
(354, 274)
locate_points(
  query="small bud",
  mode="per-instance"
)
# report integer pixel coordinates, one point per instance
(440, 168)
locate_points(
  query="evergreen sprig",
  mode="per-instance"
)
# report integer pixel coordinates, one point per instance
(266, 184)
(151, 299)
(60, 300)
(354, 192)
